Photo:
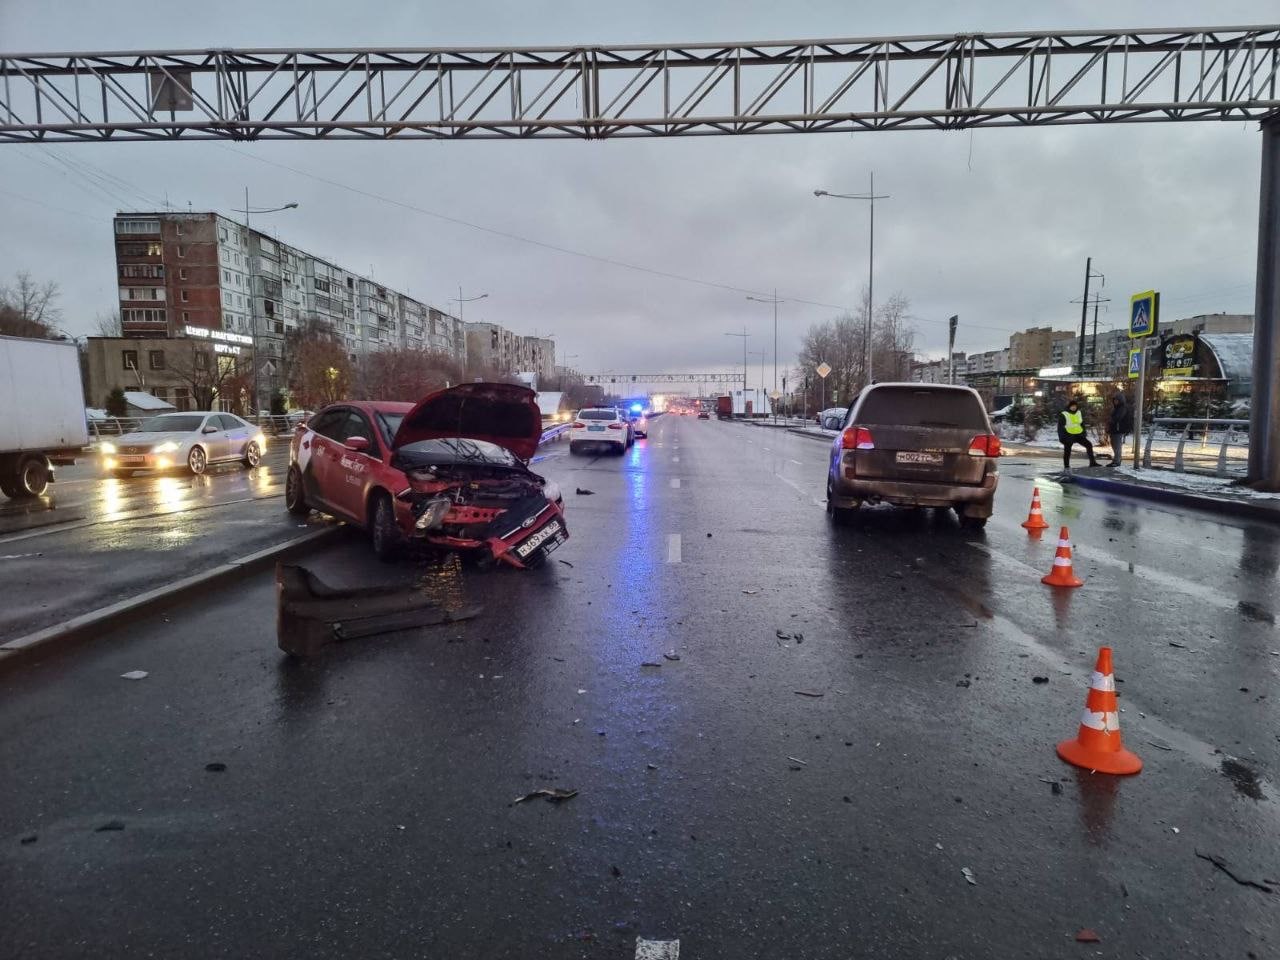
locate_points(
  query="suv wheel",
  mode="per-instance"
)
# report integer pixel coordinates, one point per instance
(972, 523)
(840, 516)
(382, 526)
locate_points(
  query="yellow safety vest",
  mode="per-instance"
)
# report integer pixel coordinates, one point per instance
(1075, 421)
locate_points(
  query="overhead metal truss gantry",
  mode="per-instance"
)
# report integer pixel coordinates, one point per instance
(622, 379)
(947, 82)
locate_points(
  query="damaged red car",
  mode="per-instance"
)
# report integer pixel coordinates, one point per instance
(450, 473)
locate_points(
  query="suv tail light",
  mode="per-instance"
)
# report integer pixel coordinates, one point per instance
(615, 426)
(579, 425)
(857, 438)
(984, 445)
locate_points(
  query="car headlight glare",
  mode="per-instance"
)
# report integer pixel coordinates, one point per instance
(107, 448)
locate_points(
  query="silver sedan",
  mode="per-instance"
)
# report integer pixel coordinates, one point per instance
(191, 440)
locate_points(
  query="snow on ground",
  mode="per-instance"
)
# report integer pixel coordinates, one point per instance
(1192, 483)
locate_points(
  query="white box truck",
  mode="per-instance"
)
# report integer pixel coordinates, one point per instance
(42, 420)
(751, 403)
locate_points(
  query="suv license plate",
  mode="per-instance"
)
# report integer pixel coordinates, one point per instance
(920, 457)
(538, 539)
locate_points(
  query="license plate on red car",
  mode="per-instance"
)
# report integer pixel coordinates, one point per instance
(550, 532)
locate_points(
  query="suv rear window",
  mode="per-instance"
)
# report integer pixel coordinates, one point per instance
(598, 415)
(921, 407)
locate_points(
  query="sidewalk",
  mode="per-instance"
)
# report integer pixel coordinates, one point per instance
(1193, 490)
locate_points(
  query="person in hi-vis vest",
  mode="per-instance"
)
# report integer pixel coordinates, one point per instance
(1071, 430)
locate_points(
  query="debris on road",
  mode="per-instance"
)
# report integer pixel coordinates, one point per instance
(310, 614)
(671, 655)
(1088, 936)
(567, 564)
(1055, 788)
(749, 593)
(962, 683)
(554, 795)
(808, 693)
(134, 675)
(1159, 744)
(215, 767)
(1039, 679)
(29, 839)
(782, 634)
(968, 875)
(110, 826)
(803, 763)
(1221, 864)
(581, 692)
(651, 766)
(584, 493)
(1180, 646)
(650, 663)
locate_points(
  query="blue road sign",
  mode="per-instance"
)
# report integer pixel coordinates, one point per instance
(1135, 363)
(1142, 314)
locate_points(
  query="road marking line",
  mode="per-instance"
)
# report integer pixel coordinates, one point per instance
(797, 463)
(800, 490)
(657, 949)
(673, 548)
(675, 483)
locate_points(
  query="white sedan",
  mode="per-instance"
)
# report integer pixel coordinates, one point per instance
(600, 425)
(191, 440)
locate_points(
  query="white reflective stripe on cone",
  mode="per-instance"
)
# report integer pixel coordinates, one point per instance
(1108, 722)
(1062, 561)
(1065, 543)
(1102, 681)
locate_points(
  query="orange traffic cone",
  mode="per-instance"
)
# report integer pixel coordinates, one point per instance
(1035, 519)
(1097, 746)
(1062, 575)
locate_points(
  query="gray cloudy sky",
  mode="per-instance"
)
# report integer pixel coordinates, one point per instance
(994, 225)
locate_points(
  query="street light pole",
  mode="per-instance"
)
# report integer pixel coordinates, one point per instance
(775, 301)
(253, 304)
(744, 336)
(871, 196)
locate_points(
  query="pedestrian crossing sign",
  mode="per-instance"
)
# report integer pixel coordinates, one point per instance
(1135, 363)
(1143, 308)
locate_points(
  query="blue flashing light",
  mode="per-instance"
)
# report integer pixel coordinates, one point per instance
(637, 407)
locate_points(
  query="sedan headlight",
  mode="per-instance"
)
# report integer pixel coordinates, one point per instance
(107, 447)
(261, 441)
(168, 446)
(551, 490)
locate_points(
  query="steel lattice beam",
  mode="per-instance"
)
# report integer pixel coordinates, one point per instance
(623, 379)
(923, 82)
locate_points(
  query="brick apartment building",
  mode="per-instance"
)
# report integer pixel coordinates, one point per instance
(180, 272)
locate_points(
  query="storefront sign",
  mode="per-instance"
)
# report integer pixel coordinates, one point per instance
(1179, 357)
(204, 333)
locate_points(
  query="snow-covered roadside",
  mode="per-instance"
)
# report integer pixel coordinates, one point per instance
(1191, 482)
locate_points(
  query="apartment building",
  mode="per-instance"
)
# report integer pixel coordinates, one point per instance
(205, 271)
(493, 347)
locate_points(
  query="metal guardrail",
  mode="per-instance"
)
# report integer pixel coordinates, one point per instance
(554, 433)
(1220, 447)
(116, 426)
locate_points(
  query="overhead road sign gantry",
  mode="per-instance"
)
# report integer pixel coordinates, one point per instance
(933, 82)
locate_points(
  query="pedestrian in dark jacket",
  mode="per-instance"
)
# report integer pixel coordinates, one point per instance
(1119, 426)
(1071, 430)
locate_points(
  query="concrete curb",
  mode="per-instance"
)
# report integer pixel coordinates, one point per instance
(24, 649)
(812, 435)
(1181, 498)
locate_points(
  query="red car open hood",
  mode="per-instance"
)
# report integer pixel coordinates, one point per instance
(500, 413)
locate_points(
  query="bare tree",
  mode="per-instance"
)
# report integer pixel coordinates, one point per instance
(408, 375)
(319, 369)
(209, 376)
(108, 324)
(28, 308)
(841, 344)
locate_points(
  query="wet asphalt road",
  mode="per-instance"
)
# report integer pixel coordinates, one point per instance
(94, 540)
(366, 805)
